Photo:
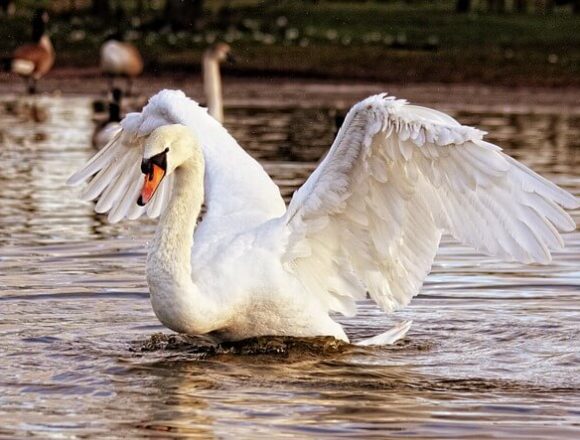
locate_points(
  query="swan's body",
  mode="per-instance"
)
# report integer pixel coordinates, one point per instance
(212, 81)
(219, 287)
(369, 219)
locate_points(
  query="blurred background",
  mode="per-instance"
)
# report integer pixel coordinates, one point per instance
(493, 350)
(506, 42)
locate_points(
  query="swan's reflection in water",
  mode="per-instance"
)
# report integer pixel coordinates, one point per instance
(351, 393)
(299, 398)
(492, 351)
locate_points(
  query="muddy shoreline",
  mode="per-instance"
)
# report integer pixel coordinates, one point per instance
(302, 92)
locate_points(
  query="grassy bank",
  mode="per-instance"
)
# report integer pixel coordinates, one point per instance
(423, 42)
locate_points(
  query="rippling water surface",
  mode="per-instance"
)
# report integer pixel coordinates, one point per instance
(493, 351)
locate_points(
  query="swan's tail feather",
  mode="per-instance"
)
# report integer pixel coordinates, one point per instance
(391, 336)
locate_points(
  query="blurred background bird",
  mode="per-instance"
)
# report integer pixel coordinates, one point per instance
(106, 130)
(212, 82)
(34, 60)
(120, 59)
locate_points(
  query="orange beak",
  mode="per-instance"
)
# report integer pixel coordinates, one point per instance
(152, 181)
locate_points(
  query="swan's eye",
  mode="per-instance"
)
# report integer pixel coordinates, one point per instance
(159, 159)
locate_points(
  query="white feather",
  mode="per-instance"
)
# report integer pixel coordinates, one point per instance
(234, 180)
(459, 184)
(369, 218)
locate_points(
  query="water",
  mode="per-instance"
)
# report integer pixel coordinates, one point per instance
(493, 351)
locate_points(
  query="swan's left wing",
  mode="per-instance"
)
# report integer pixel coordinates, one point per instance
(117, 177)
(236, 186)
(370, 217)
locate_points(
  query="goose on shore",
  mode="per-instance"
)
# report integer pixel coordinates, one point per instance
(212, 81)
(120, 59)
(368, 220)
(34, 60)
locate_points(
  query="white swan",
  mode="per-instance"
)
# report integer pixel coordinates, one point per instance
(212, 82)
(369, 218)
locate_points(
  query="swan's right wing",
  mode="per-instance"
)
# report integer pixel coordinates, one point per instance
(238, 192)
(370, 217)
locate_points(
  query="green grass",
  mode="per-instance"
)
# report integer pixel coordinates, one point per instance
(368, 40)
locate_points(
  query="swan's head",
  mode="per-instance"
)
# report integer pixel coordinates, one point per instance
(166, 148)
(221, 52)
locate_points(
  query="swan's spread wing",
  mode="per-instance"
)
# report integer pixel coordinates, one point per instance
(371, 215)
(236, 186)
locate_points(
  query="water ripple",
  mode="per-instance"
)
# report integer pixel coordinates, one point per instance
(492, 352)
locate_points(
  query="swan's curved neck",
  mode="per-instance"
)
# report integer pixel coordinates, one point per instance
(173, 240)
(212, 85)
(176, 300)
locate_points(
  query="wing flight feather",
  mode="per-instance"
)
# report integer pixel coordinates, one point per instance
(397, 177)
